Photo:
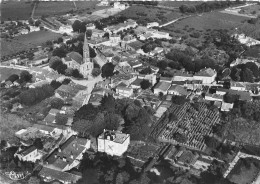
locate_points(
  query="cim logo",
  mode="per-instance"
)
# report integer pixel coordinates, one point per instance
(17, 175)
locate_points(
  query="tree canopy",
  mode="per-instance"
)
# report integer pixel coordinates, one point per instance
(108, 70)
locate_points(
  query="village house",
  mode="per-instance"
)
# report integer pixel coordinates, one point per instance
(152, 24)
(239, 61)
(50, 118)
(90, 26)
(207, 75)
(121, 26)
(166, 79)
(150, 77)
(156, 51)
(137, 83)
(68, 155)
(182, 76)
(70, 90)
(119, 5)
(49, 174)
(123, 90)
(39, 84)
(133, 46)
(162, 87)
(113, 142)
(125, 78)
(29, 154)
(128, 39)
(226, 106)
(239, 86)
(115, 39)
(213, 97)
(160, 35)
(48, 129)
(177, 90)
(96, 33)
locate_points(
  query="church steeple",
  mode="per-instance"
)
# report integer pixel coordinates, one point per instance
(86, 55)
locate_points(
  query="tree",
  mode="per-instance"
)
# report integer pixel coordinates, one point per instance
(61, 119)
(60, 40)
(31, 22)
(180, 100)
(3, 144)
(25, 76)
(37, 23)
(162, 64)
(76, 74)
(211, 142)
(66, 81)
(88, 33)
(76, 26)
(180, 137)
(108, 70)
(57, 103)
(108, 103)
(247, 75)
(146, 70)
(33, 180)
(106, 35)
(61, 68)
(230, 98)
(55, 84)
(60, 52)
(87, 112)
(12, 78)
(145, 84)
(96, 72)
(38, 143)
(54, 62)
(69, 71)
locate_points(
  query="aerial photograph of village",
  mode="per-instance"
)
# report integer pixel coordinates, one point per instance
(130, 92)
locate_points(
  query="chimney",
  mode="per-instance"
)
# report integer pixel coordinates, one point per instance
(59, 150)
(55, 156)
(64, 159)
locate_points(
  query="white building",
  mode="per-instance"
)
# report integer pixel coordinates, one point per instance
(124, 91)
(120, 6)
(239, 86)
(29, 154)
(207, 75)
(152, 24)
(113, 142)
(162, 87)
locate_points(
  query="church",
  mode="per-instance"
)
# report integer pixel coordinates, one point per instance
(87, 66)
(84, 65)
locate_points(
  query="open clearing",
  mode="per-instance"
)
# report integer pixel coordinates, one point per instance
(15, 10)
(6, 72)
(25, 42)
(150, 14)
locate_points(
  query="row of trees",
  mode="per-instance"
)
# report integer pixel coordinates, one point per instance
(25, 76)
(207, 6)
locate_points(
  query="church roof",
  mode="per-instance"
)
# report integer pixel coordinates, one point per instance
(75, 56)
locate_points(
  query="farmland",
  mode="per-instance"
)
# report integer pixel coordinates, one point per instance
(253, 10)
(25, 42)
(144, 14)
(22, 10)
(177, 4)
(6, 72)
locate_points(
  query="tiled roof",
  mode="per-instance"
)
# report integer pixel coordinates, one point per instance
(181, 90)
(180, 73)
(164, 86)
(118, 136)
(137, 82)
(136, 44)
(70, 150)
(27, 150)
(44, 127)
(71, 89)
(207, 72)
(59, 175)
(76, 57)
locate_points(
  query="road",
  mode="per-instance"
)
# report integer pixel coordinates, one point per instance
(175, 20)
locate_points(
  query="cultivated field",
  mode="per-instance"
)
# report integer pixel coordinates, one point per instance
(213, 20)
(6, 72)
(25, 42)
(150, 14)
(15, 10)
(177, 4)
(22, 10)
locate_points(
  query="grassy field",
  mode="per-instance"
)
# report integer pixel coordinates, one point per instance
(6, 72)
(150, 14)
(242, 174)
(25, 42)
